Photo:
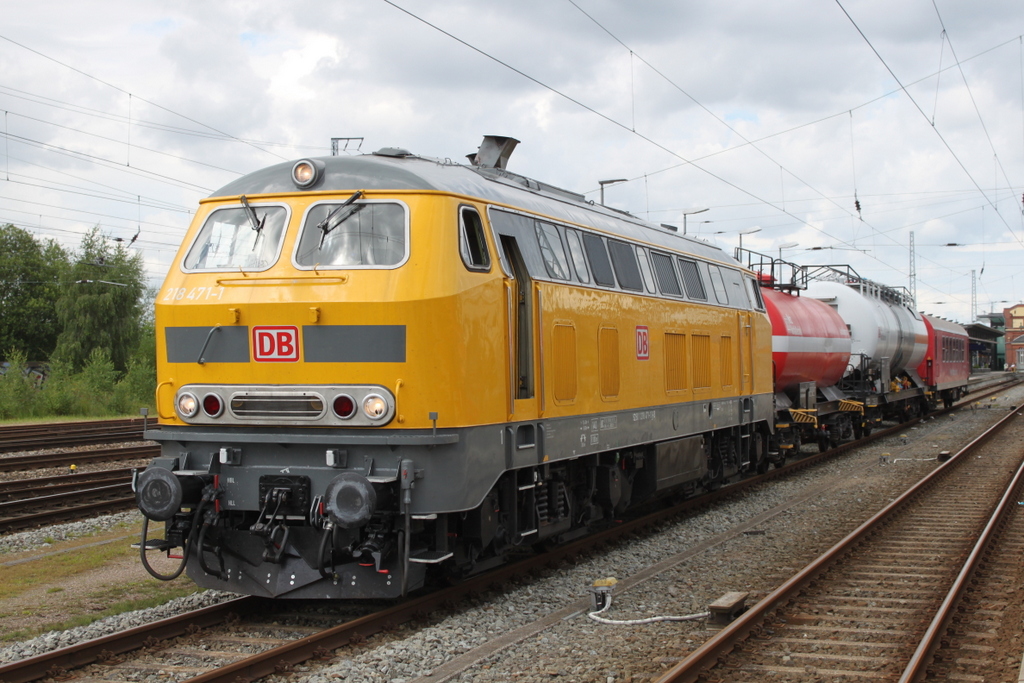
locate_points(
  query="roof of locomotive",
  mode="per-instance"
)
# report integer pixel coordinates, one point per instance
(399, 170)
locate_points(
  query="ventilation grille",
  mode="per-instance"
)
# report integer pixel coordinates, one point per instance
(283, 405)
(675, 361)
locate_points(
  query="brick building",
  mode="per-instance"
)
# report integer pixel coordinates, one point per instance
(1015, 335)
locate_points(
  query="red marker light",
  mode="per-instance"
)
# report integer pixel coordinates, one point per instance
(344, 406)
(212, 405)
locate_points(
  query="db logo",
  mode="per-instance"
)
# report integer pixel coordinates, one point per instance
(643, 343)
(275, 344)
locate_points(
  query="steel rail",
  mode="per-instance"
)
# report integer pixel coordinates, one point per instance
(39, 486)
(17, 463)
(916, 667)
(68, 514)
(55, 434)
(750, 622)
(99, 649)
(62, 499)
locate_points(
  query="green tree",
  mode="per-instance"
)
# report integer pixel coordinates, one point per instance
(101, 304)
(30, 273)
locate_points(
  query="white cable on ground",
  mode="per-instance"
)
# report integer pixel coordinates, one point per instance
(650, 620)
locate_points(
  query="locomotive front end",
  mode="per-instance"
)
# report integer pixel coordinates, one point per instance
(296, 416)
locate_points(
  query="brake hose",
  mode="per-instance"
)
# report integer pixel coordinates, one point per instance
(145, 561)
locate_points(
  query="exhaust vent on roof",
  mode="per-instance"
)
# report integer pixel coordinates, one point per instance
(494, 152)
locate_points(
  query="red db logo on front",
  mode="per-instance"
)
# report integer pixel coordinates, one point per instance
(275, 344)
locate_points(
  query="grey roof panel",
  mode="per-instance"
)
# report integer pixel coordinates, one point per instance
(377, 172)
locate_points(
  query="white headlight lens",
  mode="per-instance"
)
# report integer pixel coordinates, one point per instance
(188, 405)
(375, 407)
(306, 172)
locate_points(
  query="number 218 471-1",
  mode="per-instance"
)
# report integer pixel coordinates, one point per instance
(193, 294)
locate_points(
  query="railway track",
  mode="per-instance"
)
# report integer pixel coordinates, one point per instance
(207, 636)
(209, 646)
(59, 434)
(28, 503)
(20, 463)
(859, 610)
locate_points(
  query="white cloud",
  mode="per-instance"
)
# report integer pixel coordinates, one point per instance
(793, 74)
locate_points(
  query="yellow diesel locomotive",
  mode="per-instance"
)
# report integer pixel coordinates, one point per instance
(376, 367)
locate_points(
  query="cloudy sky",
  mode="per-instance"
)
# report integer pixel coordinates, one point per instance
(777, 116)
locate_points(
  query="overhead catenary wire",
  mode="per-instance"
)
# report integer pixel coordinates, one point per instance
(125, 92)
(610, 119)
(974, 102)
(36, 98)
(135, 170)
(921, 111)
(857, 204)
(82, 131)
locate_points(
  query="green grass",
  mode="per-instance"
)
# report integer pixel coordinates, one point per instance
(149, 594)
(53, 573)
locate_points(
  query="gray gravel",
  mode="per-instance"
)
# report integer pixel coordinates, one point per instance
(47, 536)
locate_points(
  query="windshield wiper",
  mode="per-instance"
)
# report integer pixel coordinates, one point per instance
(339, 215)
(256, 224)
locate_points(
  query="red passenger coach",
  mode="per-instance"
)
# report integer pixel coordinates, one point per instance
(810, 342)
(946, 365)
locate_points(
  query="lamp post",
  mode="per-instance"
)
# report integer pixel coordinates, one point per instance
(865, 251)
(602, 183)
(787, 245)
(751, 231)
(690, 213)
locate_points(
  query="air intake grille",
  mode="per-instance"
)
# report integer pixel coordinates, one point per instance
(264, 405)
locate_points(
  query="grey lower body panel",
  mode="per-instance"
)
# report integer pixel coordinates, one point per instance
(455, 468)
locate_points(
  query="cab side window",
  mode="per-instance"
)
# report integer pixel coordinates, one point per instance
(599, 263)
(472, 244)
(579, 259)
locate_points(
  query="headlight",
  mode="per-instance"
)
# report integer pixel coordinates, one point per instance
(375, 407)
(188, 405)
(306, 172)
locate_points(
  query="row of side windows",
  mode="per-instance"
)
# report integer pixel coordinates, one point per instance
(953, 350)
(570, 254)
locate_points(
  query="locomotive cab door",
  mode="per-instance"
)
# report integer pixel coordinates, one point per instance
(519, 299)
(746, 337)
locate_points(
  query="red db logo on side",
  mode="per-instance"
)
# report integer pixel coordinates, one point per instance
(643, 343)
(275, 344)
